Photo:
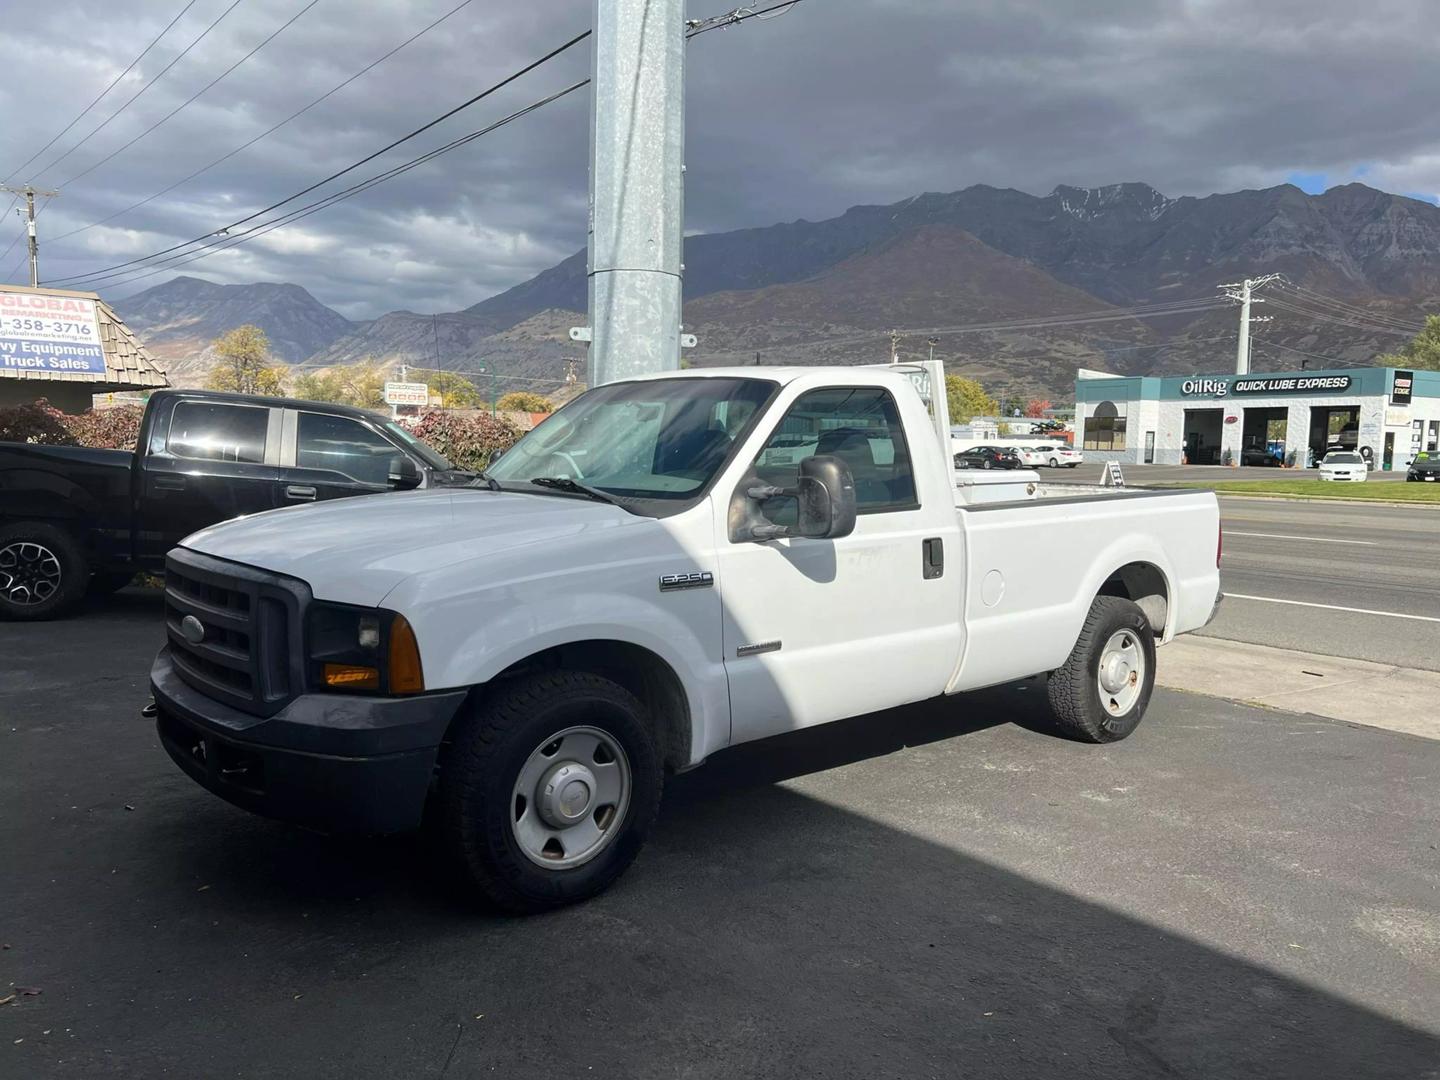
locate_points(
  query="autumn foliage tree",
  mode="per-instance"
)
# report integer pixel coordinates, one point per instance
(967, 398)
(470, 442)
(243, 365)
(1035, 408)
(525, 401)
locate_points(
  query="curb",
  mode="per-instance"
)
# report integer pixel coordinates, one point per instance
(1284, 497)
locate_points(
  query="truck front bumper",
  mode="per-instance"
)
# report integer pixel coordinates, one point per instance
(340, 763)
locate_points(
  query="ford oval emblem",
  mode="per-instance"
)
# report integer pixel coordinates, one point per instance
(192, 629)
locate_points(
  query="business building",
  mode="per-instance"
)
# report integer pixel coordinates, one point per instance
(1293, 417)
(67, 347)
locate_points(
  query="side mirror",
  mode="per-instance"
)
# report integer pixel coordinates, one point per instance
(827, 498)
(824, 497)
(404, 475)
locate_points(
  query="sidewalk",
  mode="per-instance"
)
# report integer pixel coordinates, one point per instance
(1357, 691)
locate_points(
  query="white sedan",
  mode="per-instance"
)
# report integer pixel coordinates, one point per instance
(1056, 455)
(1344, 465)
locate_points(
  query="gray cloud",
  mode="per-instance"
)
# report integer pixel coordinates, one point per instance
(836, 103)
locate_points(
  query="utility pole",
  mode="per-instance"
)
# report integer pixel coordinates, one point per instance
(932, 342)
(29, 191)
(637, 189)
(1241, 291)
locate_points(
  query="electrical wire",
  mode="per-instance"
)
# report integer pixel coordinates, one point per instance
(267, 132)
(335, 175)
(696, 27)
(180, 56)
(1267, 343)
(254, 232)
(1347, 321)
(193, 97)
(1320, 300)
(114, 82)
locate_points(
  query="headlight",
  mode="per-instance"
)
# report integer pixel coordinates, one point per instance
(366, 649)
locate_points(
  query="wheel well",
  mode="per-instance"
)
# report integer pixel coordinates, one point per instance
(639, 671)
(1144, 584)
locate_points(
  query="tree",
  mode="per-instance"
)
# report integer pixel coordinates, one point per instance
(1423, 353)
(468, 441)
(1035, 408)
(967, 399)
(455, 390)
(243, 364)
(361, 384)
(524, 401)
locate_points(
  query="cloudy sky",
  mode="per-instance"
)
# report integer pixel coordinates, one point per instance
(835, 103)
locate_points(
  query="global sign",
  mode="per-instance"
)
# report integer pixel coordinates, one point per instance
(1276, 384)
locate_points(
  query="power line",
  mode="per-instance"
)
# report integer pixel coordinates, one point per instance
(1266, 342)
(696, 27)
(349, 168)
(256, 231)
(192, 98)
(106, 122)
(1346, 321)
(268, 131)
(1339, 307)
(114, 82)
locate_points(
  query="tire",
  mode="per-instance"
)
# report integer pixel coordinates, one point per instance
(43, 572)
(1054, 463)
(503, 737)
(985, 463)
(104, 583)
(1077, 691)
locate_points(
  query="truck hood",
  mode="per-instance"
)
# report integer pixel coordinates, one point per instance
(356, 550)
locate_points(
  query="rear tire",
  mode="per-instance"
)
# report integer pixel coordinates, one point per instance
(1054, 463)
(1100, 693)
(43, 572)
(499, 838)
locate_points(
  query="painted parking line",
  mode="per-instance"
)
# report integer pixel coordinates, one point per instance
(1333, 607)
(1312, 539)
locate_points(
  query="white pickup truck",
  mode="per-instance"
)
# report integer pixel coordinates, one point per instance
(666, 567)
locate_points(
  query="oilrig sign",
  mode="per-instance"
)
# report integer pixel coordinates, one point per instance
(1278, 384)
(407, 393)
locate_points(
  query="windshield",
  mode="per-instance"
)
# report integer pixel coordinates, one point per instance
(1343, 459)
(422, 450)
(652, 439)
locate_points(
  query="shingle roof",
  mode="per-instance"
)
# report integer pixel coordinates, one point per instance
(128, 364)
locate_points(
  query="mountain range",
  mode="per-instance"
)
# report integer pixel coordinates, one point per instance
(1129, 275)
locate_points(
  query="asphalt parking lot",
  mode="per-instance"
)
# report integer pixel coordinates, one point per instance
(943, 890)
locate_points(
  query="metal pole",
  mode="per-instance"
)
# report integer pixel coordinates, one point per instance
(1242, 347)
(637, 210)
(34, 242)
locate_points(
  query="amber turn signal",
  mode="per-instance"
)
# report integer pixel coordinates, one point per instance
(352, 677)
(406, 675)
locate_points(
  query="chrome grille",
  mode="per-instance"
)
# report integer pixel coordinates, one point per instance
(248, 620)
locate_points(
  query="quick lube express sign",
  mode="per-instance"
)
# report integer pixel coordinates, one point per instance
(1278, 384)
(49, 333)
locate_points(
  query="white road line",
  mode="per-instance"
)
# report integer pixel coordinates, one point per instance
(1312, 539)
(1333, 607)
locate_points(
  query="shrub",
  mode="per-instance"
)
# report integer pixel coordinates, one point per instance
(116, 428)
(525, 401)
(37, 423)
(469, 441)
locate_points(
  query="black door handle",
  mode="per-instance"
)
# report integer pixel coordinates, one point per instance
(170, 482)
(933, 557)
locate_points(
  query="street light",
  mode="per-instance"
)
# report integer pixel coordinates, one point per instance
(932, 343)
(484, 369)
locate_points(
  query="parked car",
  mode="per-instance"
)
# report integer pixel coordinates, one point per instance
(74, 519)
(1053, 456)
(519, 661)
(1344, 465)
(988, 457)
(1426, 466)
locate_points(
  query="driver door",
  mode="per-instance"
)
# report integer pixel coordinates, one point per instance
(333, 457)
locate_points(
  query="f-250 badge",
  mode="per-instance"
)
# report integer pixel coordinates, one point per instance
(699, 579)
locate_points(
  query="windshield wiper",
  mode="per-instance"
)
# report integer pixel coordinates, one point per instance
(486, 479)
(564, 483)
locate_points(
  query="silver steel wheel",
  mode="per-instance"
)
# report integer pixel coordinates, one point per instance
(570, 798)
(1121, 676)
(29, 573)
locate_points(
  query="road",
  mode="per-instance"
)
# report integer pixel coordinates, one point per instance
(1323, 559)
(938, 891)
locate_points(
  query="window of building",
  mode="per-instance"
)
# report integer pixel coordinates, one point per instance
(1105, 429)
(208, 431)
(859, 425)
(342, 445)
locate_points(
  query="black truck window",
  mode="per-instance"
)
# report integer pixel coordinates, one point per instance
(209, 431)
(345, 446)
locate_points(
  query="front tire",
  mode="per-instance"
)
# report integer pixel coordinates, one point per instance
(548, 790)
(1100, 693)
(43, 572)
(1054, 463)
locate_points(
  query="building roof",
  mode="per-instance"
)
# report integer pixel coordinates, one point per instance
(128, 364)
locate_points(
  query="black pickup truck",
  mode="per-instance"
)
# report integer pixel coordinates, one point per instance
(74, 520)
